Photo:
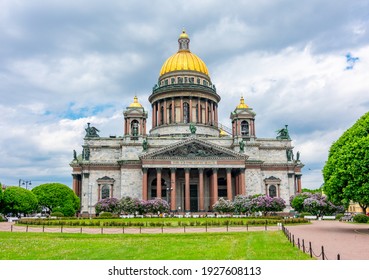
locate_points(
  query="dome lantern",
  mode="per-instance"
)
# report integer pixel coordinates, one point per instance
(184, 42)
(184, 59)
(242, 104)
(135, 103)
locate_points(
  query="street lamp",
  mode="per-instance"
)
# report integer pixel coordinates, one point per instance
(25, 183)
(168, 193)
(89, 200)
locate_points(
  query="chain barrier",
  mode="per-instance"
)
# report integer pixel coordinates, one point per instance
(140, 229)
(301, 246)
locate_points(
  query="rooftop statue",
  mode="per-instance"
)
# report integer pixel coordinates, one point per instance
(242, 146)
(283, 133)
(289, 154)
(145, 145)
(91, 131)
(192, 128)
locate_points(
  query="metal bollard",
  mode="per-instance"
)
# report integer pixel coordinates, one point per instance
(323, 257)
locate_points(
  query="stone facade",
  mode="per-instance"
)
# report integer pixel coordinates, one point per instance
(188, 157)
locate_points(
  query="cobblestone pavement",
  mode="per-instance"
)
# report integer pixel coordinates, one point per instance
(349, 240)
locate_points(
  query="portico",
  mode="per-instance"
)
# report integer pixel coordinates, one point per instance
(192, 175)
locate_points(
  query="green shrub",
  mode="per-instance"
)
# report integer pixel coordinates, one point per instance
(303, 214)
(361, 218)
(57, 214)
(339, 216)
(106, 215)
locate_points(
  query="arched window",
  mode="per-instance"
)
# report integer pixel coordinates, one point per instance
(134, 128)
(170, 114)
(186, 112)
(272, 191)
(105, 191)
(244, 128)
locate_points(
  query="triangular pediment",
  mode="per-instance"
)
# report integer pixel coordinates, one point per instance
(194, 148)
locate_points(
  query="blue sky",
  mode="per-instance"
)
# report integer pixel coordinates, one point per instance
(66, 63)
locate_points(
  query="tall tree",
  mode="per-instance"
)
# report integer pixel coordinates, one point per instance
(57, 197)
(346, 170)
(1, 198)
(17, 201)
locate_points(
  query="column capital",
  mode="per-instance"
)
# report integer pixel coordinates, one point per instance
(187, 169)
(158, 170)
(201, 170)
(173, 169)
(229, 170)
(215, 170)
(144, 170)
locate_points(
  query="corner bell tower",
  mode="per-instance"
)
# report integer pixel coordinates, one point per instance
(243, 121)
(135, 120)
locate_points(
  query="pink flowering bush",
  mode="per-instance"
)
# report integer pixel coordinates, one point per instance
(108, 205)
(243, 204)
(155, 206)
(315, 204)
(223, 206)
(129, 205)
(267, 204)
(250, 204)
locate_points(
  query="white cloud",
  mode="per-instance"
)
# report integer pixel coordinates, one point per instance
(285, 57)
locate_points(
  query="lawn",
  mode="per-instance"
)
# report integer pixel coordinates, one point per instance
(266, 245)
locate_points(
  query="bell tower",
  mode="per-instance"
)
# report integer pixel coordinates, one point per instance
(135, 120)
(243, 121)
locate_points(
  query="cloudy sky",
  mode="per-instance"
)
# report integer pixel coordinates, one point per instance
(66, 63)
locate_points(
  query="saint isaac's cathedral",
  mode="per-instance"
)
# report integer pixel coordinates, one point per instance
(187, 157)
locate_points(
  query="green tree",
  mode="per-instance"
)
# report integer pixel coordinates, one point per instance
(57, 197)
(1, 198)
(320, 190)
(346, 170)
(297, 201)
(17, 201)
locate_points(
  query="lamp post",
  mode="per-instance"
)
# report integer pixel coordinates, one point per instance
(88, 199)
(25, 183)
(167, 195)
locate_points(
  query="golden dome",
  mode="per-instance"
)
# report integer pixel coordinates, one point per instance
(242, 104)
(184, 60)
(135, 103)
